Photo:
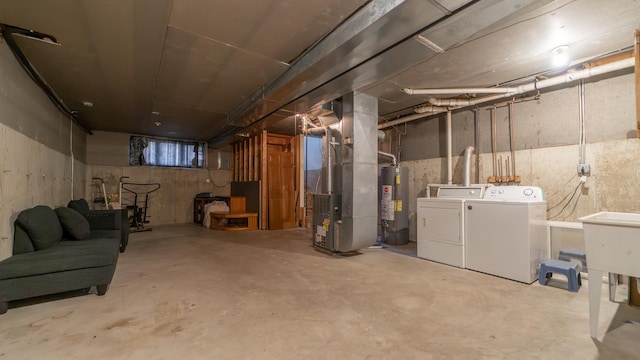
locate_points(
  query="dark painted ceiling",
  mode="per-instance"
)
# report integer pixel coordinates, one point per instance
(207, 69)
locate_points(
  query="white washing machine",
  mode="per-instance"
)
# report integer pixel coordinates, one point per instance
(506, 232)
(440, 224)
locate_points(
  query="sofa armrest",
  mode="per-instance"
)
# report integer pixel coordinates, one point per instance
(105, 219)
(111, 220)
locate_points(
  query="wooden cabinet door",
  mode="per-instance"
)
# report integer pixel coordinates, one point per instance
(281, 190)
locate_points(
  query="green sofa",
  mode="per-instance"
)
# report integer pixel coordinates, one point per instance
(59, 250)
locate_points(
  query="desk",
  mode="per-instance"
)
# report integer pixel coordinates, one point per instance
(612, 244)
(200, 202)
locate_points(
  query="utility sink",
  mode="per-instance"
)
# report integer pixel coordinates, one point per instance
(612, 244)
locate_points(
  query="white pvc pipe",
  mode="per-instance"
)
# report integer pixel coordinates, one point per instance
(467, 165)
(402, 120)
(393, 157)
(421, 111)
(537, 85)
(449, 151)
(430, 109)
(497, 90)
(444, 103)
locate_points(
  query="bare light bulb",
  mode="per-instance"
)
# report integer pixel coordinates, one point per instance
(560, 56)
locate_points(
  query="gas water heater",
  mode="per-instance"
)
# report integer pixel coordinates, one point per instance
(394, 212)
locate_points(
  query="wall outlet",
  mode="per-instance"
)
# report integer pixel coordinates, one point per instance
(584, 169)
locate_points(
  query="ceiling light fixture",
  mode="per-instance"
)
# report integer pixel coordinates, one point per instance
(428, 43)
(34, 35)
(87, 103)
(157, 123)
(560, 56)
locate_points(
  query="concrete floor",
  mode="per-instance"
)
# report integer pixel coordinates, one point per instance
(182, 291)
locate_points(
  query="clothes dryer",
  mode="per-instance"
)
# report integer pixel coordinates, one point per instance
(440, 224)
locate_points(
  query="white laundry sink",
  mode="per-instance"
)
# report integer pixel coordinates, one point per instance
(612, 244)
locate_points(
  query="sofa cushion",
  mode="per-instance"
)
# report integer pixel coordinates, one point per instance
(74, 225)
(21, 242)
(42, 225)
(80, 206)
(64, 256)
(104, 234)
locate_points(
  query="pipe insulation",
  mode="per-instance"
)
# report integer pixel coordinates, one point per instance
(430, 109)
(468, 152)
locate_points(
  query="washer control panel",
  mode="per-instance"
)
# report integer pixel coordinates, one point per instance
(514, 193)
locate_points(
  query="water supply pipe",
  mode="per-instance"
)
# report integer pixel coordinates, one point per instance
(468, 151)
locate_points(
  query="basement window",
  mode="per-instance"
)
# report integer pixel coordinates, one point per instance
(149, 151)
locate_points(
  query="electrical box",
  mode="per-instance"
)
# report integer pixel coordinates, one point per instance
(584, 169)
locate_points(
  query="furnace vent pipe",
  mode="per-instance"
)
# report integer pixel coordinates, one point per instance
(468, 152)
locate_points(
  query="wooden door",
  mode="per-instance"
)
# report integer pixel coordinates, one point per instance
(281, 190)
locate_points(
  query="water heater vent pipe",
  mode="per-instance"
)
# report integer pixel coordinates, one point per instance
(393, 157)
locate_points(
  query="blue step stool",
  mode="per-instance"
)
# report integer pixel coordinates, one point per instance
(567, 268)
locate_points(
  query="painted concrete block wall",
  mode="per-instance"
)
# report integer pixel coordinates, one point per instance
(545, 139)
(108, 154)
(35, 150)
(26, 109)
